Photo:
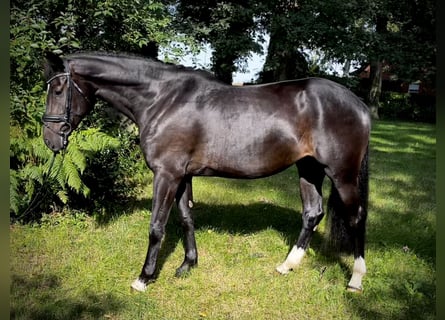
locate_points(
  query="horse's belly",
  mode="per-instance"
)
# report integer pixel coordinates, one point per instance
(238, 159)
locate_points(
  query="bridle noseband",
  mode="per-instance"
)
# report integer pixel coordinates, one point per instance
(65, 118)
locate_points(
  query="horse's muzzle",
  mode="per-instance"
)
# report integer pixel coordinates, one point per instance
(54, 139)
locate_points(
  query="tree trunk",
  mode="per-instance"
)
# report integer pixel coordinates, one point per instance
(346, 68)
(150, 50)
(283, 60)
(375, 77)
(223, 65)
(375, 72)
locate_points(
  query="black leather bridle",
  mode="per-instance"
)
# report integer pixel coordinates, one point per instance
(64, 118)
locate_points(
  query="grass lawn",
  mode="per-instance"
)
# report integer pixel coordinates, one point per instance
(72, 266)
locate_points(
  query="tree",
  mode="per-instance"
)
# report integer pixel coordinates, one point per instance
(325, 27)
(228, 26)
(368, 32)
(394, 29)
(284, 59)
(413, 31)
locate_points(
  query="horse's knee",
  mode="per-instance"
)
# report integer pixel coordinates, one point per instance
(187, 222)
(156, 233)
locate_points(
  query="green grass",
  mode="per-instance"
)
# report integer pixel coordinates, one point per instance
(74, 267)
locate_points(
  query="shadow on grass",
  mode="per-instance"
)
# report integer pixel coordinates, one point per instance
(242, 220)
(398, 296)
(39, 297)
(402, 299)
(403, 166)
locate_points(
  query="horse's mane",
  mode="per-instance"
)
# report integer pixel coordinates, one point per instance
(133, 56)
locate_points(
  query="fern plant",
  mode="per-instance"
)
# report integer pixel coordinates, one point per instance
(66, 172)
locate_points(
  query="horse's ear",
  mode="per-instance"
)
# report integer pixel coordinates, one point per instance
(53, 63)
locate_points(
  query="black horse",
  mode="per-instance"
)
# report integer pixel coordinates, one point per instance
(190, 124)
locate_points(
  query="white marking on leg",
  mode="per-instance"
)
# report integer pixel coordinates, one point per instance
(358, 271)
(293, 260)
(190, 204)
(138, 285)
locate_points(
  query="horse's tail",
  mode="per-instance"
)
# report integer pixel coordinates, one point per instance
(340, 233)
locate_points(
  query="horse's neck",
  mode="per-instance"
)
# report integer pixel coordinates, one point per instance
(126, 99)
(133, 86)
(130, 91)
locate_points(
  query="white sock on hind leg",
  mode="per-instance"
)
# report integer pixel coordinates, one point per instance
(358, 271)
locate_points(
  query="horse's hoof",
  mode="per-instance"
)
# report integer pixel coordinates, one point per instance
(353, 289)
(185, 269)
(282, 269)
(182, 273)
(138, 285)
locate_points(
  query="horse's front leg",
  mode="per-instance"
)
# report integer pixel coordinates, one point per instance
(164, 190)
(184, 198)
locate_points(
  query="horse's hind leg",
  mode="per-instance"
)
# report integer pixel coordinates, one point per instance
(184, 198)
(348, 218)
(357, 229)
(311, 181)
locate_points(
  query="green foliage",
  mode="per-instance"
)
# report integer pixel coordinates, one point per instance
(114, 176)
(125, 25)
(228, 26)
(362, 31)
(410, 107)
(63, 27)
(27, 176)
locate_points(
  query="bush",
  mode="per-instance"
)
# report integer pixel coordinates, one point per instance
(102, 164)
(407, 107)
(100, 154)
(32, 171)
(114, 176)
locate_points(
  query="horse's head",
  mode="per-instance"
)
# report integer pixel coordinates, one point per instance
(68, 101)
